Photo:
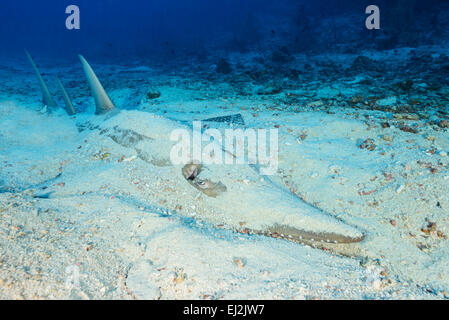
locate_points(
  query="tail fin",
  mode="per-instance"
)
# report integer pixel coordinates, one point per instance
(68, 103)
(102, 101)
(46, 96)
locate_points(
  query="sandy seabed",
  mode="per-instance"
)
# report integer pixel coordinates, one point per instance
(85, 217)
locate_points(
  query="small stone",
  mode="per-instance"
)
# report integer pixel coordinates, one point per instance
(180, 276)
(240, 262)
(357, 99)
(377, 284)
(406, 128)
(406, 116)
(387, 101)
(443, 124)
(387, 138)
(265, 273)
(315, 104)
(153, 94)
(224, 67)
(368, 144)
(281, 56)
(270, 89)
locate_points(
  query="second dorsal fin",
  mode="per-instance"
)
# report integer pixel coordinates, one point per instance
(68, 103)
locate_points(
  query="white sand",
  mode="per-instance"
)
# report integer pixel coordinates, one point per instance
(110, 217)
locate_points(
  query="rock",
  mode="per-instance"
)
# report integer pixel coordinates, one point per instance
(406, 128)
(293, 73)
(224, 67)
(357, 99)
(443, 124)
(363, 63)
(368, 144)
(387, 138)
(414, 101)
(400, 188)
(153, 94)
(180, 276)
(405, 86)
(240, 262)
(273, 88)
(281, 56)
(406, 116)
(327, 92)
(315, 104)
(259, 75)
(387, 101)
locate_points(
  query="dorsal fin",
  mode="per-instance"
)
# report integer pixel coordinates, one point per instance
(68, 103)
(46, 96)
(102, 101)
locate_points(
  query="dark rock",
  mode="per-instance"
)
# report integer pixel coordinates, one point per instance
(153, 94)
(270, 89)
(406, 128)
(405, 86)
(363, 63)
(368, 144)
(224, 67)
(281, 56)
(260, 75)
(293, 73)
(443, 124)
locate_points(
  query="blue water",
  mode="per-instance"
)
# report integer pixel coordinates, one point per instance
(181, 28)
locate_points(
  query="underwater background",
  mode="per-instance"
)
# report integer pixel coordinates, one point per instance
(176, 29)
(91, 207)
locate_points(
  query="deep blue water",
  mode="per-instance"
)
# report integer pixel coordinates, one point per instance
(184, 28)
